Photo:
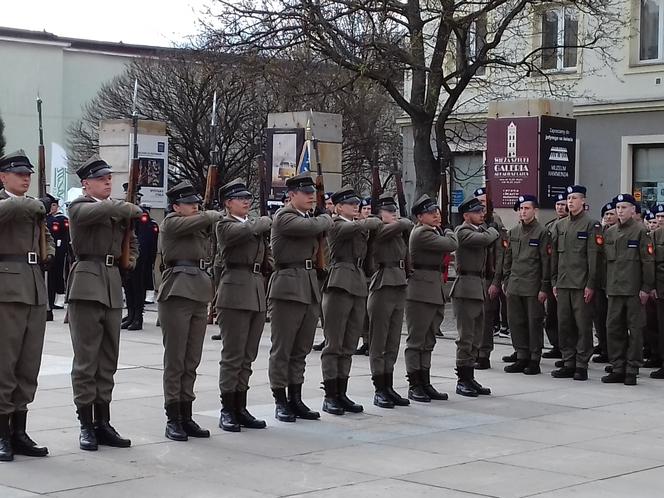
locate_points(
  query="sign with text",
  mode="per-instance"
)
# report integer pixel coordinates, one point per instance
(557, 157)
(153, 168)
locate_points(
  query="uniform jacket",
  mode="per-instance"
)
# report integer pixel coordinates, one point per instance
(575, 241)
(186, 238)
(348, 245)
(58, 226)
(389, 247)
(630, 259)
(658, 240)
(496, 252)
(242, 244)
(294, 239)
(97, 228)
(601, 263)
(526, 271)
(474, 243)
(20, 220)
(428, 247)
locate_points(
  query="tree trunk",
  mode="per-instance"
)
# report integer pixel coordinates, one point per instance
(427, 172)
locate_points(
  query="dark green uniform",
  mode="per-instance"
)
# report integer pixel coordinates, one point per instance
(600, 301)
(658, 243)
(551, 307)
(493, 276)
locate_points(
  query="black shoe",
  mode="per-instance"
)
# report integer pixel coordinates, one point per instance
(331, 403)
(481, 390)
(425, 374)
(105, 432)
(245, 418)
(282, 410)
(397, 399)
(363, 350)
(657, 374)
(464, 385)
(227, 419)
(126, 320)
(381, 398)
(510, 358)
(136, 324)
(552, 354)
(608, 369)
(416, 387)
(630, 379)
(319, 346)
(614, 378)
(21, 442)
(6, 450)
(49, 315)
(482, 364)
(174, 430)
(297, 406)
(601, 358)
(216, 337)
(652, 363)
(517, 367)
(57, 307)
(597, 350)
(559, 364)
(581, 374)
(188, 424)
(87, 439)
(563, 373)
(533, 368)
(348, 404)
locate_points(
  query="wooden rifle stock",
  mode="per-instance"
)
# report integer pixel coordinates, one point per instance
(210, 184)
(375, 188)
(320, 203)
(41, 178)
(132, 190)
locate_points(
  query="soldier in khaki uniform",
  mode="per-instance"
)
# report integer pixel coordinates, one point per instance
(242, 303)
(94, 293)
(575, 242)
(630, 280)
(658, 244)
(425, 298)
(365, 212)
(182, 300)
(387, 299)
(344, 299)
(600, 300)
(294, 294)
(469, 293)
(527, 283)
(22, 304)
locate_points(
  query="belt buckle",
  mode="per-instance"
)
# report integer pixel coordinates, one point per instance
(110, 260)
(257, 267)
(402, 264)
(308, 264)
(32, 258)
(201, 264)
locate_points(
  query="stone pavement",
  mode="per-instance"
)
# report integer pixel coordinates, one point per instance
(536, 436)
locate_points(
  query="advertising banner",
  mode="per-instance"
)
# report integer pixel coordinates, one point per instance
(557, 157)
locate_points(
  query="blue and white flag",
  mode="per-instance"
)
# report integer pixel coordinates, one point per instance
(304, 165)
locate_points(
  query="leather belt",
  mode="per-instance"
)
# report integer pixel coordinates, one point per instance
(107, 259)
(307, 264)
(472, 273)
(254, 267)
(195, 263)
(359, 262)
(428, 267)
(31, 258)
(393, 264)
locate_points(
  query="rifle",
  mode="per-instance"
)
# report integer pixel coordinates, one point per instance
(375, 186)
(262, 187)
(320, 197)
(489, 202)
(401, 197)
(132, 187)
(213, 168)
(41, 177)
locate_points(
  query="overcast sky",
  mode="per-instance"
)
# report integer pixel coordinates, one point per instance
(148, 22)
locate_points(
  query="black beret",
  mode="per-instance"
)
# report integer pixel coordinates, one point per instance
(525, 198)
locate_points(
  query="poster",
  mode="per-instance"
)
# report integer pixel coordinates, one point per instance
(557, 157)
(283, 151)
(153, 168)
(512, 158)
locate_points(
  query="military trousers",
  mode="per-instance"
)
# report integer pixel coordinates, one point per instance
(344, 322)
(422, 321)
(659, 304)
(491, 316)
(183, 324)
(240, 338)
(625, 324)
(95, 338)
(21, 344)
(385, 309)
(525, 315)
(470, 326)
(575, 328)
(293, 326)
(551, 321)
(651, 342)
(601, 304)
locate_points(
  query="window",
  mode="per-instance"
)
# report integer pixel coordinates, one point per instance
(651, 30)
(648, 175)
(475, 40)
(560, 34)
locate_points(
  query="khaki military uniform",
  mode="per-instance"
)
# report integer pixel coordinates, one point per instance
(630, 261)
(242, 304)
(551, 318)
(573, 269)
(526, 274)
(658, 242)
(22, 300)
(294, 293)
(182, 299)
(387, 295)
(493, 276)
(425, 298)
(469, 289)
(600, 301)
(94, 293)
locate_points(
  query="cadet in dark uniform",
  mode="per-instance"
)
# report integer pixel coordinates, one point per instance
(344, 299)
(574, 278)
(469, 292)
(387, 299)
(600, 300)
(241, 306)
(94, 294)
(425, 298)
(630, 280)
(185, 291)
(22, 304)
(294, 294)
(527, 284)
(58, 227)
(658, 243)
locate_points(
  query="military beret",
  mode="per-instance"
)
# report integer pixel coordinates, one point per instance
(471, 205)
(365, 202)
(650, 216)
(386, 202)
(480, 191)
(345, 196)
(302, 182)
(625, 198)
(235, 188)
(560, 198)
(576, 189)
(16, 162)
(183, 193)
(424, 204)
(327, 195)
(525, 198)
(95, 167)
(658, 209)
(609, 206)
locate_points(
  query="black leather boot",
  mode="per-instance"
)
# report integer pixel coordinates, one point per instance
(381, 398)
(509, 358)
(227, 418)
(87, 440)
(174, 430)
(464, 385)
(188, 424)
(297, 406)
(552, 353)
(137, 324)
(416, 390)
(483, 363)
(517, 367)
(245, 418)
(348, 404)
(319, 346)
(533, 368)
(397, 399)
(563, 373)
(282, 410)
(614, 378)
(431, 391)
(105, 432)
(126, 321)
(580, 374)
(21, 442)
(331, 403)
(6, 450)
(481, 390)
